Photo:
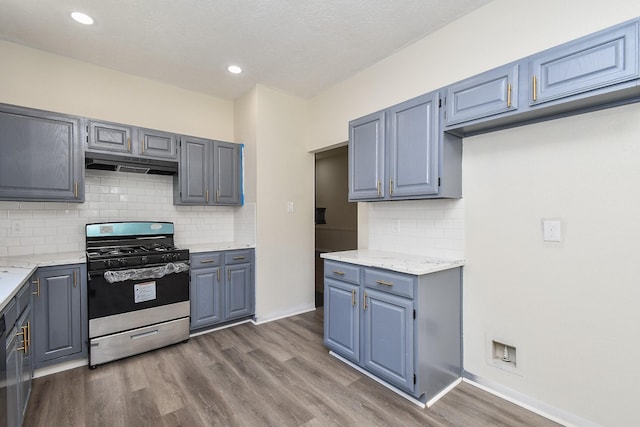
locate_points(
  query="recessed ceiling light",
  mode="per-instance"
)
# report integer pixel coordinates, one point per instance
(234, 69)
(82, 18)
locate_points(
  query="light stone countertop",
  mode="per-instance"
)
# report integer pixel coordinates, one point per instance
(15, 271)
(402, 263)
(214, 247)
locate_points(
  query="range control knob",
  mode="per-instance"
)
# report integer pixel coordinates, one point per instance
(122, 261)
(108, 263)
(144, 259)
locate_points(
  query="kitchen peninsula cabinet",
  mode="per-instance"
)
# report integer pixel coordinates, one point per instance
(400, 153)
(19, 359)
(210, 173)
(130, 140)
(222, 287)
(60, 314)
(41, 156)
(404, 329)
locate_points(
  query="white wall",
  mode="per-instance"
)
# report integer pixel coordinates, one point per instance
(284, 173)
(568, 308)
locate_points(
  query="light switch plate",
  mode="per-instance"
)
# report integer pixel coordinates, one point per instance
(290, 207)
(551, 230)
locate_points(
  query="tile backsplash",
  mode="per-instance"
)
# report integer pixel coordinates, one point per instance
(433, 228)
(46, 227)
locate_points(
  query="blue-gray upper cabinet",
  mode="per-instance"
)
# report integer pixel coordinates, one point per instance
(400, 153)
(60, 314)
(367, 157)
(413, 147)
(111, 137)
(192, 182)
(41, 157)
(226, 173)
(130, 140)
(592, 62)
(487, 94)
(210, 173)
(156, 143)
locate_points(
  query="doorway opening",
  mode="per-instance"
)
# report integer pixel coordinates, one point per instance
(336, 226)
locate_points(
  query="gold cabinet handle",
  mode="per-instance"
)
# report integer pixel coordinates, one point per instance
(207, 261)
(75, 279)
(75, 190)
(229, 275)
(238, 257)
(218, 275)
(390, 186)
(37, 283)
(364, 300)
(509, 96)
(535, 88)
(382, 282)
(206, 197)
(379, 193)
(217, 195)
(353, 298)
(25, 340)
(339, 273)
(142, 144)
(129, 144)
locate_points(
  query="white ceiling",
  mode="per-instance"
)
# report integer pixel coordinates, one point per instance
(298, 46)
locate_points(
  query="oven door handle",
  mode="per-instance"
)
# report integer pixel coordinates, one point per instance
(158, 272)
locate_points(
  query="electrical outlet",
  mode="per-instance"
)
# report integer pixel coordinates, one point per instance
(290, 207)
(551, 230)
(17, 228)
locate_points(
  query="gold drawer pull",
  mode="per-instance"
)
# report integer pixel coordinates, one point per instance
(37, 283)
(238, 257)
(339, 273)
(509, 96)
(364, 299)
(353, 298)
(207, 261)
(382, 282)
(535, 88)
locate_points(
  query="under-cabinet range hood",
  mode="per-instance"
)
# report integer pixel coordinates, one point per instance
(112, 162)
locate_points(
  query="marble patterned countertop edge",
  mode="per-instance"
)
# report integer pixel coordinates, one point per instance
(402, 263)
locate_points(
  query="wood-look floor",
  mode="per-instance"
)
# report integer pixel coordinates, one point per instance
(275, 374)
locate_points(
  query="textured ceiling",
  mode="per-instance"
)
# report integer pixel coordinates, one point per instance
(298, 46)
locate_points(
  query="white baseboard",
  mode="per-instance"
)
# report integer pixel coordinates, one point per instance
(283, 315)
(60, 367)
(527, 402)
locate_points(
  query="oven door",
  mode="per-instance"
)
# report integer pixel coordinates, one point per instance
(126, 298)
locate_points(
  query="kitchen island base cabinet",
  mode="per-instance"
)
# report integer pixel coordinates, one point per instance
(405, 330)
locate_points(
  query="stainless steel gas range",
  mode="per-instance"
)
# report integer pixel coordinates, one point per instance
(138, 289)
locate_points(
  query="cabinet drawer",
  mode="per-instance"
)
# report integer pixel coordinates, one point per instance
(394, 283)
(342, 272)
(23, 298)
(237, 257)
(208, 259)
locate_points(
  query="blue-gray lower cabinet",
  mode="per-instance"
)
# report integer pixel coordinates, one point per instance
(404, 329)
(222, 287)
(342, 318)
(60, 314)
(19, 355)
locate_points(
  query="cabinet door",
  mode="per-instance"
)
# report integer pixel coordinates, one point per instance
(24, 360)
(57, 314)
(413, 147)
(41, 156)
(155, 143)
(112, 137)
(388, 338)
(13, 412)
(484, 95)
(342, 318)
(238, 291)
(592, 62)
(366, 157)
(226, 173)
(194, 170)
(206, 297)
